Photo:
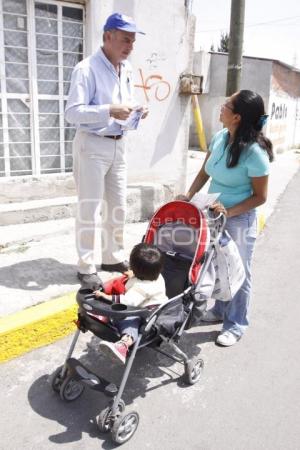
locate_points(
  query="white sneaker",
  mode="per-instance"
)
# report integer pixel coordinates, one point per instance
(210, 316)
(226, 339)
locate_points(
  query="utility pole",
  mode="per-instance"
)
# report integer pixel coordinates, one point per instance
(236, 36)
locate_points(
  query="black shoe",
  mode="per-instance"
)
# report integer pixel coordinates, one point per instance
(90, 280)
(119, 267)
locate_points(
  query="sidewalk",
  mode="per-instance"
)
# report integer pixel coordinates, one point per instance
(38, 272)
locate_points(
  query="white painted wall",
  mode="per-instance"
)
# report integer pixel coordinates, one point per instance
(157, 150)
(283, 126)
(297, 125)
(214, 70)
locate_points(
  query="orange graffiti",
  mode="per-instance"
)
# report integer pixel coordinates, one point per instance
(162, 87)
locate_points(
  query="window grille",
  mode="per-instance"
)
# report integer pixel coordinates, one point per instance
(40, 43)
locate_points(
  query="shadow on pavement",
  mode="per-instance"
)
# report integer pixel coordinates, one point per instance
(78, 417)
(37, 274)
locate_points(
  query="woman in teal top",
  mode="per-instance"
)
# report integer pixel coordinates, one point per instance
(238, 164)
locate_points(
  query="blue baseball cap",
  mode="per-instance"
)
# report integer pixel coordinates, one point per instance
(121, 22)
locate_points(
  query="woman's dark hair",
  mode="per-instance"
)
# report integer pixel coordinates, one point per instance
(146, 261)
(250, 106)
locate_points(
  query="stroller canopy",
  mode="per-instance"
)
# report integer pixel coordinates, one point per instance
(180, 227)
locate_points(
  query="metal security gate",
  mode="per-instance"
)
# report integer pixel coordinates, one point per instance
(40, 42)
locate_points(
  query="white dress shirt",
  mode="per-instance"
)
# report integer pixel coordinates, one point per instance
(95, 84)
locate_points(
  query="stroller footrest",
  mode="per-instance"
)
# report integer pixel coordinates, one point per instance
(90, 379)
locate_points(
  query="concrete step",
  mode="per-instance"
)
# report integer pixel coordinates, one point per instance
(37, 210)
(20, 234)
(142, 200)
(24, 189)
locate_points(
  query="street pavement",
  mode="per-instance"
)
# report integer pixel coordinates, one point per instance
(248, 398)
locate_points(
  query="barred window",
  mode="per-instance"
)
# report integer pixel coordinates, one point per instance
(38, 50)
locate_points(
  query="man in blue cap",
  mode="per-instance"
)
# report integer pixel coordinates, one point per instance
(101, 95)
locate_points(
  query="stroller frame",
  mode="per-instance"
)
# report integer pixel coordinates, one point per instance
(70, 379)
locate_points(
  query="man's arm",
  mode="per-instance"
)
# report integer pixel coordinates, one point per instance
(78, 109)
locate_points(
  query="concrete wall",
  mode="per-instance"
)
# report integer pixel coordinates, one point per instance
(214, 70)
(284, 122)
(277, 83)
(252, 78)
(281, 123)
(297, 125)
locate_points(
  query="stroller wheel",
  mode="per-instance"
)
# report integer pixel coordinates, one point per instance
(193, 371)
(105, 420)
(124, 427)
(70, 389)
(56, 380)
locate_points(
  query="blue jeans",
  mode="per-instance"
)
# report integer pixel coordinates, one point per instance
(234, 313)
(129, 326)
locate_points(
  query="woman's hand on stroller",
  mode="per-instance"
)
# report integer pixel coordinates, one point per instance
(218, 208)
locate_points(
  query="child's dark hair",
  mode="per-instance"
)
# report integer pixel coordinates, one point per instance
(146, 261)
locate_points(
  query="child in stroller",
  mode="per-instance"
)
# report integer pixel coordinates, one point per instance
(145, 287)
(179, 229)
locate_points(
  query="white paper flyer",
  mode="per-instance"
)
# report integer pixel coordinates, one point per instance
(202, 201)
(133, 120)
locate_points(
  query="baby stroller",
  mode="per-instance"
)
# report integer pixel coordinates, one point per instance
(181, 232)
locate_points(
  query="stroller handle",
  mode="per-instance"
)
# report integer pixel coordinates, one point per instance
(219, 220)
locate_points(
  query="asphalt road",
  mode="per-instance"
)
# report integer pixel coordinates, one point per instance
(248, 398)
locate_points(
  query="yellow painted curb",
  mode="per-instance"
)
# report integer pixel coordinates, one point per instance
(37, 326)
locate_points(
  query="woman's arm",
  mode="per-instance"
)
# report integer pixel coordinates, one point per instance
(198, 182)
(259, 196)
